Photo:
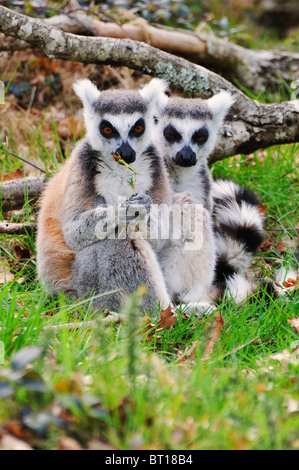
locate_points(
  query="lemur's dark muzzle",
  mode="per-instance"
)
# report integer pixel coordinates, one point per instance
(185, 157)
(126, 152)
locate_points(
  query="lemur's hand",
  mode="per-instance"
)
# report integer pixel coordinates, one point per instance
(135, 211)
(138, 207)
(183, 198)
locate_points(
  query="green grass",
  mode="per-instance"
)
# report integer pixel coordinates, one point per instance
(109, 384)
(230, 401)
(273, 175)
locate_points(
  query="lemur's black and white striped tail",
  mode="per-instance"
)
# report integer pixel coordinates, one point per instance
(238, 235)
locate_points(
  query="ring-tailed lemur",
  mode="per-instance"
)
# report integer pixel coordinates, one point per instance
(80, 209)
(79, 245)
(75, 252)
(238, 228)
(190, 130)
(188, 262)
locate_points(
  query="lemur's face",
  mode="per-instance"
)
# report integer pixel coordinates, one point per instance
(190, 128)
(187, 141)
(126, 135)
(121, 122)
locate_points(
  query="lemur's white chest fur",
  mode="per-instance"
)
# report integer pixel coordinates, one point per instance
(184, 181)
(113, 181)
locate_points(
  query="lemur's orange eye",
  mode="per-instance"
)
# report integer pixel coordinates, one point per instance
(107, 130)
(201, 136)
(138, 129)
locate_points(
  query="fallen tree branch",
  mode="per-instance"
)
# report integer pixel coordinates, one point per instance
(112, 318)
(16, 229)
(254, 69)
(252, 125)
(15, 193)
(282, 229)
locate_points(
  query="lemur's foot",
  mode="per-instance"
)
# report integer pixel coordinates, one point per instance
(199, 309)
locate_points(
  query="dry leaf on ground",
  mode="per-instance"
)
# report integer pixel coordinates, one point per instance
(6, 276)
(188, 355)
(286, 357)
(68, 443)
(286, 282)
(285, 244)
(263, 209)
(167, 320)
(9, 442)
(70, 125)
(294, 323)
(18, 173)
(292, 405)
(214, 334)
(22, 253)
(267, 244)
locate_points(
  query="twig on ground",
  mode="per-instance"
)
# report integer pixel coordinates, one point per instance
(14, 193)
(16, 229)
(113, 317)
(23, 160)
(289, 229)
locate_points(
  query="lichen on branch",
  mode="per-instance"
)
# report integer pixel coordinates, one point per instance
(250, 124)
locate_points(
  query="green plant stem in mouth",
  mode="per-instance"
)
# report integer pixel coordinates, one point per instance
(131, 182)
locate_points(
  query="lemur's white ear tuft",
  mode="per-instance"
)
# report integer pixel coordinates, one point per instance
(154, 93)
(87, 92)
(220, 104)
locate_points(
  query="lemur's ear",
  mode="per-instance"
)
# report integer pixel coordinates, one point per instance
(87, 92)
(154, 94)
(220, 104)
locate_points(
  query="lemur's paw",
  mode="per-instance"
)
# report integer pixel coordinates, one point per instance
(138, 206)
(183, 198)
(140, 199)
(199, 309)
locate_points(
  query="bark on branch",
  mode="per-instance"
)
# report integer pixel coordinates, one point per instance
(254, 69)
(15, 193)
(251, 125)
(16, 229)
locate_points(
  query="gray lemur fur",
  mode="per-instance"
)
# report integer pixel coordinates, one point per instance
(188, 263)
(80, 215)
(188, 135)
(75, 252)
